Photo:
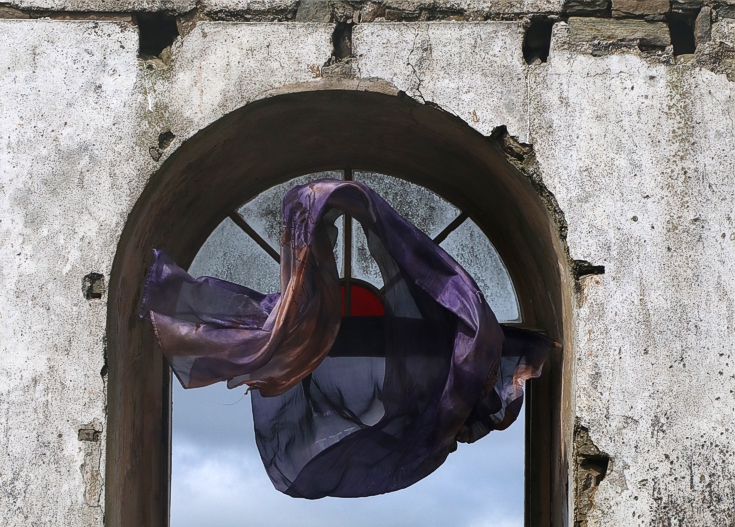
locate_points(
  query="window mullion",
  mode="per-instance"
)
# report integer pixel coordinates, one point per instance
(347, 253)
(449, 229)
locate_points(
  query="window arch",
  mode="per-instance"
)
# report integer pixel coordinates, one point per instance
(269, 142)
(245, 247)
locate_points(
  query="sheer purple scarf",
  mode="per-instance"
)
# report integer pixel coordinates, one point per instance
(352, 406)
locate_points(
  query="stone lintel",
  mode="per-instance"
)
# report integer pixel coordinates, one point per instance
(627, 8)
(655, 34)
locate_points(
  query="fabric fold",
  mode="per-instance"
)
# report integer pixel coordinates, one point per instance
(348, 407)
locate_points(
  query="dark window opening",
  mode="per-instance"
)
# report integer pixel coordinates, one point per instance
(537, 41)
(681, 27)
(157, 32)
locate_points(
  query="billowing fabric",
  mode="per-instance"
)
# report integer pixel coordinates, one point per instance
(353, 406)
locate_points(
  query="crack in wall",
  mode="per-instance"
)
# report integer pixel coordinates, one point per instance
(410, 64)
(523, 157)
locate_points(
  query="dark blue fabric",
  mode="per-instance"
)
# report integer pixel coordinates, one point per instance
(349, 407)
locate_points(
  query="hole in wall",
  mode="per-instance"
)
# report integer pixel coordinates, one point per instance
(681, 27)
(157, 32)
(584, 268)
(89, 434)
(591, 468)
(342, 40)
(537, 40)
(595, 468)
(165, 139)
(93, 286)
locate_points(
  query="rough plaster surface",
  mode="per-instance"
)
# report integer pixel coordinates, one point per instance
(67, 105)
(221, 66)
(474, 70)
(639, 155)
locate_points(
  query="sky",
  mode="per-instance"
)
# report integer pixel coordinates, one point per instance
(219, 480)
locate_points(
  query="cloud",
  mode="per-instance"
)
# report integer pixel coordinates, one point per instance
(219, 480)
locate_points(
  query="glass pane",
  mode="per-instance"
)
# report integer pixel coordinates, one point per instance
(473, 251)
(363, 302)
(363, 265)
(420, 206)
(339, 248)
(417, 204)
(230, 254)
(431, 213)
(263, 213)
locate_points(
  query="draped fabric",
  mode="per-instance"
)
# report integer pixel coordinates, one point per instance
(352, 406)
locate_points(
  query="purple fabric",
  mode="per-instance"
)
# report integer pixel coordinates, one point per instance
(356, 406)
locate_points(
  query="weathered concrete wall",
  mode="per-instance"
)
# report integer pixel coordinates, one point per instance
(640, 157)
(474, 70)
(68, 104)
(636, 147)
(80, 118)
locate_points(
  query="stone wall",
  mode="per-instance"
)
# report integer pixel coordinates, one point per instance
(634, 142)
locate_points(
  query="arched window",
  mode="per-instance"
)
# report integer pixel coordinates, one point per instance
(270, 142)
(211, 465)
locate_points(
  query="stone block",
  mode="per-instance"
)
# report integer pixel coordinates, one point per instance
(259, 10)
(11, 13)
(512, 6)
(415, 9)
(626, 8)
(725, 10)
(724, 31)
(703, 26)
(653, 34)
(314, 11)
(586, 7)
